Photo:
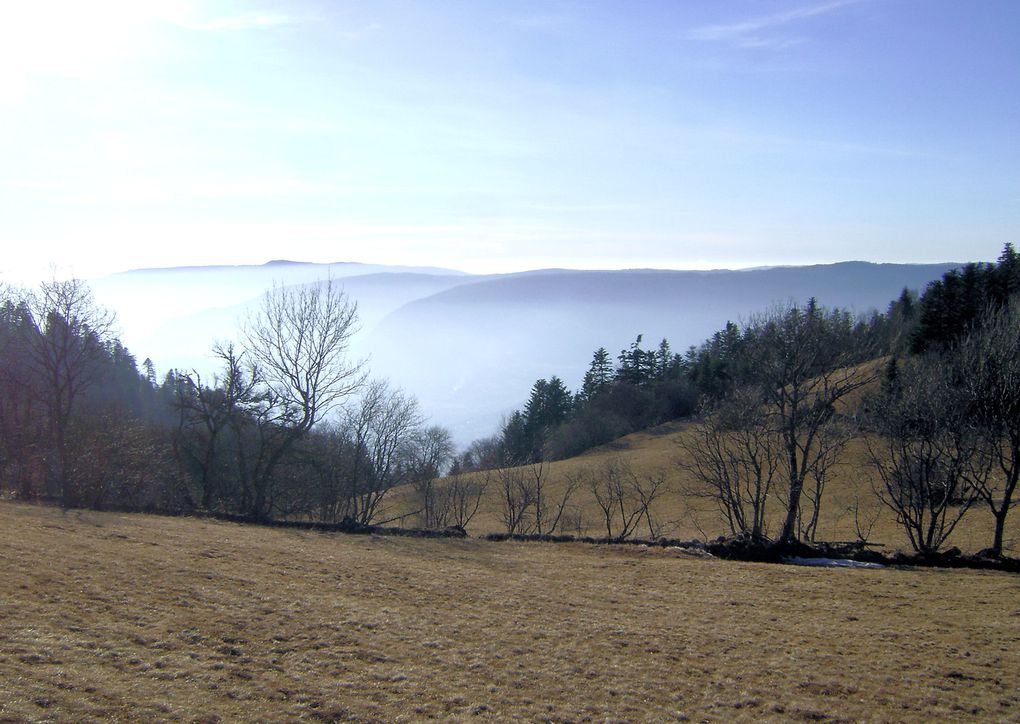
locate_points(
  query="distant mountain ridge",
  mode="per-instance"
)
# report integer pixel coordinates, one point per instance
(332, 267)
(470, 346)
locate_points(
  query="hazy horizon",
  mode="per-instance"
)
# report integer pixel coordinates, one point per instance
(527, 326)
(63, 272)
(282, 262)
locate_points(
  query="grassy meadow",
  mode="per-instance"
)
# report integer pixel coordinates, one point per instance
(657, 450)
(147, 618)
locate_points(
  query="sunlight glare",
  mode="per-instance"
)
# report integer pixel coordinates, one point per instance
(64, 38)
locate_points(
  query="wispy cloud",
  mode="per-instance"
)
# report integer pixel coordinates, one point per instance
(768, 31)
(253, 20)
(541, 22)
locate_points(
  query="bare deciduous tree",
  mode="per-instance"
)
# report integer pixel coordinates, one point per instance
(373, 436)
(548, 507)
(989, 370)
(648, 489)
(624, 497)
(298, 344)
(863, 527)
(529, 503)
(926, 450)
(515, 497)
(733, 455)
(300, 341)
(428, 453)
(462, 496)
(66, 355)
(804, 363)
(834, 437)
(205, 417)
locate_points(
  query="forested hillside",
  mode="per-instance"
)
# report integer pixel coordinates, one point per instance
(438, 334)
(777, 399)
(292, 425)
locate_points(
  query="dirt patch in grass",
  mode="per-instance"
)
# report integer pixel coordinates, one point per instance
(137, 617)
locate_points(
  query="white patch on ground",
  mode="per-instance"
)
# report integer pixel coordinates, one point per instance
(830, 562)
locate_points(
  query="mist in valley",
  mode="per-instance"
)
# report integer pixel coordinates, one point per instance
(470, 346)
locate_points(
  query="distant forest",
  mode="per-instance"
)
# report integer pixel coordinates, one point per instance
(767, 395)
(640, 387)
(291, 427)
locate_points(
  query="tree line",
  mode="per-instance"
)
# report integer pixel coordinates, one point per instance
(774, 401)
(941, 427)
(290, 426)
(648, 386)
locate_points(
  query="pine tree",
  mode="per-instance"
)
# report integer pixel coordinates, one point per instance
(548, 407)
(150, 372)
(599, 375)
(1005, 276)
(663, 360)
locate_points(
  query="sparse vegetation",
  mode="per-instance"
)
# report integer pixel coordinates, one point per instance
(800, 436)
(781, 398)
(158, 619)
(778, 400)
(288, 428)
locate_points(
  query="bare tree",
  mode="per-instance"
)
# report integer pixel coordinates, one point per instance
(343, 490)
(989, 371)
(804, 363)
(378, 430)
(66, 355)
(649, 489)
(120, 464)
(529, 502)
(297, 345)
(864, 527)
(464, 493)
(516, 497)
(482, 454)
(206, 416)
(624, 497)
(734, 455)
(300, 340)
(428, 452)
(819, 475)
(548, 506)
(927, 448)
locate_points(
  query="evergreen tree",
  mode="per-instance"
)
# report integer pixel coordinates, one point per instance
(1005, 276)
(956, 304)
(150, 372)
(599, 375)
(636, 365)
(548, 406)
(664, 359)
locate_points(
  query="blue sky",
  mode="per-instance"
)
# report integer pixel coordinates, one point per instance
(498, 136)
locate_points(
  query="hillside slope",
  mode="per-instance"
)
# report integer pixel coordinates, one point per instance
(848, 501)
(470, 346)
(168, 619)
(482, 345)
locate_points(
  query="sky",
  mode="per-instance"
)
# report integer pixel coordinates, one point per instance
(493, 136)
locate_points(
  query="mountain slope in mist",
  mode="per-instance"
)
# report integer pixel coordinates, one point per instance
(469, 347)
(480, 346)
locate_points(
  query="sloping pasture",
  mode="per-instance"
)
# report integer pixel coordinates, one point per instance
(133, 617)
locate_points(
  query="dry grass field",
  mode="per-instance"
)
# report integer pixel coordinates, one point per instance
(145, 618)
(657, 451)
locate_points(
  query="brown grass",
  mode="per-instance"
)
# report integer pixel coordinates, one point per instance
(657, 450)
(132, 617)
